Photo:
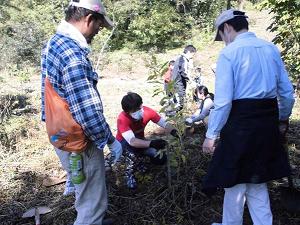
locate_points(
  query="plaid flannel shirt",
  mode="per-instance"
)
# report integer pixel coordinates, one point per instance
(73, 78)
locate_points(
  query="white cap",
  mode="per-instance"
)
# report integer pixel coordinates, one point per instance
(95, 6)
(225, 16)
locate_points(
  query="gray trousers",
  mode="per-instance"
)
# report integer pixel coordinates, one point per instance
(90, 195)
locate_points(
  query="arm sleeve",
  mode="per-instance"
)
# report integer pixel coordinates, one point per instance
(162, 123)
(208, 104)
(128, 135)
(123, 125)
(153, 115)
(85, 103)
(183, 67)
(223, 97)
(285, 91)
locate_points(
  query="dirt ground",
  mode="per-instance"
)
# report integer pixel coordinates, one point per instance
(27, 158)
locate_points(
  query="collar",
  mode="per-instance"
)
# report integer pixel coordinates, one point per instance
(68, 30)
(244, 35)
(184, 55)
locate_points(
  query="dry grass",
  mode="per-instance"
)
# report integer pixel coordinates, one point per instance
(27, 157)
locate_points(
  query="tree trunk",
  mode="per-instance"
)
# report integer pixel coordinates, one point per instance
(228, 4)
(241, 4)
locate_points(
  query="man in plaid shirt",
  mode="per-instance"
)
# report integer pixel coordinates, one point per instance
(65, 63)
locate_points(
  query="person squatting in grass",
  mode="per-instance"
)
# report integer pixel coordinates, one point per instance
(253, 97)
(65, 62)
(205, 105)
(131, 124)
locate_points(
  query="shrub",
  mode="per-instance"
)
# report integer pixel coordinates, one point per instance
(286, 25)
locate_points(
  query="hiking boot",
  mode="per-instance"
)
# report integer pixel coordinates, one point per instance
(131, 182)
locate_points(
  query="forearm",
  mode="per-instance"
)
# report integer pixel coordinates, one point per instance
(223, 98)
(139, 143)
(208, 104)
(98, 132)
(285, 91)
(166, 125)
(217, 119)
(285, 108)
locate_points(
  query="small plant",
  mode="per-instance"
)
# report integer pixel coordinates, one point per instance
(176, 150)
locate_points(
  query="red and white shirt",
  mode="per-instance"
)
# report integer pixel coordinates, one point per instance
(126, 123)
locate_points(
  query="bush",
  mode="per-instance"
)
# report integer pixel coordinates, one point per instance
(286, 25)
(22, 44)
(161, 27)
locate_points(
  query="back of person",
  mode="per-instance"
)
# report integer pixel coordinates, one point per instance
(180, 65)
(251, 82)
(255, 62)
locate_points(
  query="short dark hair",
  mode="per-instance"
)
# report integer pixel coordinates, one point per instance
(76, 13)
(238, 22)
(131, 102)
(189, 48)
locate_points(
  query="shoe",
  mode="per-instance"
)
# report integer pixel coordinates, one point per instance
(131, 182)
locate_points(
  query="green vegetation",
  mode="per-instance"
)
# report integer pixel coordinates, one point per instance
(286, 25)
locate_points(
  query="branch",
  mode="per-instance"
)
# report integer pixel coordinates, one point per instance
(104, 45)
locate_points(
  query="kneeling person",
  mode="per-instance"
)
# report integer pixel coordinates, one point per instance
(131, 124)
(206, 104)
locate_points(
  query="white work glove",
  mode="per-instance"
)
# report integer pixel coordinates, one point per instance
(116, 151)
(189, 120)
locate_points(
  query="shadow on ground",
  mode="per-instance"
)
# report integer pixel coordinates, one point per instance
(153, 202)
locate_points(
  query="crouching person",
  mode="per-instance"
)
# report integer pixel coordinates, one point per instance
(131, 124)
(206, 104)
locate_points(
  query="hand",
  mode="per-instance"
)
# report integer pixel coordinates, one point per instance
(158, 144)
(283, 129)
(208, 145)
(174, 133)
(189, 121)
(116, 151)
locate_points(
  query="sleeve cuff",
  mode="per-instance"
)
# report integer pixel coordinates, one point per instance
(211, 136)
(111, 139)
